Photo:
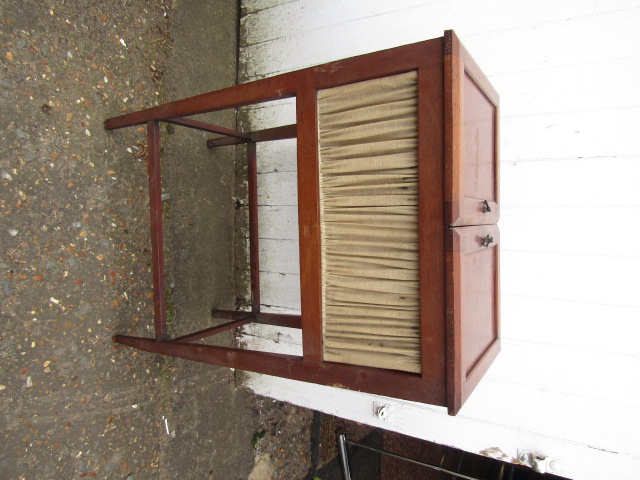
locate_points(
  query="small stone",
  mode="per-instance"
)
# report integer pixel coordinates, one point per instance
(2, 387)
(6, 287)
(20, 133)
(263, 468)
(76, 224)
(29, 382)
(6, 175)
(121, 41)
(84, 309)
(13, 232)
(87, 132)
(9, 56)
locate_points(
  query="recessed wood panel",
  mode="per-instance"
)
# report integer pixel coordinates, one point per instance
(471, 139)
(472, 307)
(478, 273)
(478, 154)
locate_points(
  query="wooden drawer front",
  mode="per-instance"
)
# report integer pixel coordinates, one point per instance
(478, 199)
(472, 305)
(471, 140)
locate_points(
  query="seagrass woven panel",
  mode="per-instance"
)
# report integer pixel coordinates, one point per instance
(367, 137)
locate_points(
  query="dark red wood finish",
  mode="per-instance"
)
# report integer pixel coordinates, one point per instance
(309, 225)
(279, 319)
(265, 90)
(372, 380)
(471, 198)
(431, 213)
(472, 308)
(254, 248)
(267, 135)
(471, 132)
(459, 318)
(207, 332)
(207, 127)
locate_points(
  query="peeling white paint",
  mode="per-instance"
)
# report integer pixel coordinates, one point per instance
(567, 73)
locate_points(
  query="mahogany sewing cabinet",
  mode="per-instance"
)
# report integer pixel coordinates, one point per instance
(397, 167)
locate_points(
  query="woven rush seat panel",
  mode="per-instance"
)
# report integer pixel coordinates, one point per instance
(367, 137)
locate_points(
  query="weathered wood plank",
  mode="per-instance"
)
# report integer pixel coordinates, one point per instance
(479, 17)
(595, 182)
(599, 133)
(278, 188)
(570, 230)
(280, 290)
(280, 256)
(540, 38)
(590, 279)
(278, 222)
(570, 154)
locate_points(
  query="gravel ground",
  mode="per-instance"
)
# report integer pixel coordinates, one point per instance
(74, 256)
(74, 248)
(284, 433)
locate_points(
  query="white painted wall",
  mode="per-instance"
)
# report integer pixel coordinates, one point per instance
(567, 383)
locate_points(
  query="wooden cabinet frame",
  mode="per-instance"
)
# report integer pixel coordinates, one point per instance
(448, 240)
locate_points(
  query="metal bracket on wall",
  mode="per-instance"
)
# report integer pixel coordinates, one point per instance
(540, 464)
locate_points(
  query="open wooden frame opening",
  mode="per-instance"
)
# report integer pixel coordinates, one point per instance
(441, 286)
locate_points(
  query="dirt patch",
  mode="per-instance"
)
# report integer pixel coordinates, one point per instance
(74, 246)
(284, 432)
(74, 257)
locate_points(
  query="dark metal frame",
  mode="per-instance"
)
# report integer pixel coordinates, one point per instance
(346, 471)
(428, 59)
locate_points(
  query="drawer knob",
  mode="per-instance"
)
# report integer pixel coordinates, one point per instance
(485, 207)
(486, 241)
